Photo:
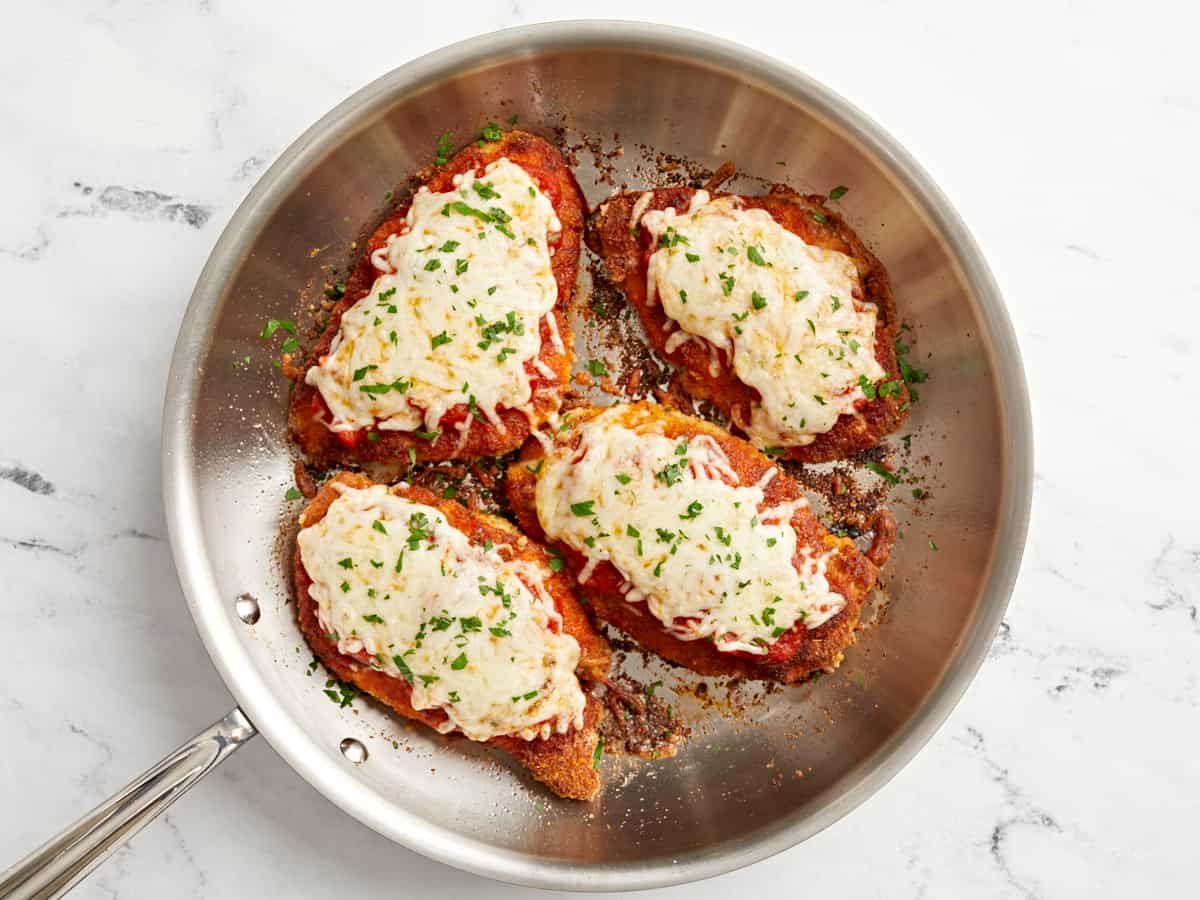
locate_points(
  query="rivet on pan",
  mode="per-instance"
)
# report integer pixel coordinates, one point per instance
(246, 608)
(353, 750)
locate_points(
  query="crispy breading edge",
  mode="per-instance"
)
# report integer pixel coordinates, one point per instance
(562, 762)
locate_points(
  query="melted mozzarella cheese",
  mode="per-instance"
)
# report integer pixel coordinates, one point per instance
(781, 308)
(395, 580)
(456, 314)
(704, 552)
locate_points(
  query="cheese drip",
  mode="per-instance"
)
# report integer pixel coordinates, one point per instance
(455, 316)
(476, 636)
(780, 308)
(707, 555)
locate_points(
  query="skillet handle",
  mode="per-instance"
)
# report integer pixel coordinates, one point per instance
(65, 860)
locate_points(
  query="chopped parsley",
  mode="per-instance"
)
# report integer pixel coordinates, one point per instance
(439, 339)
(485, 191)
(755, 254)
(445, 146)
(403, 667)
(597, 368)
(344, 694)
(465, 209)
(398, 386)
(671, 238)
(273, 325)
(885, 474)
(583, 508)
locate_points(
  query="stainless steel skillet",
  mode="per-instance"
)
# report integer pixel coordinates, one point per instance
(744, 788)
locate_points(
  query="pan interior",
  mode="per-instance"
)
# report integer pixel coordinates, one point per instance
(749, 783)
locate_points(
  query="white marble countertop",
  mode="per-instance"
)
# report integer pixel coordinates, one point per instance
(1066, 134)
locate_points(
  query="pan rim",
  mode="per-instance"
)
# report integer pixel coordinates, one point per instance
(297, 746)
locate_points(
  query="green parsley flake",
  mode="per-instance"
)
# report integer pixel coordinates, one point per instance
(403, 667)
(445, 146)
(485, 191)
(274, 325)
(885, 474)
